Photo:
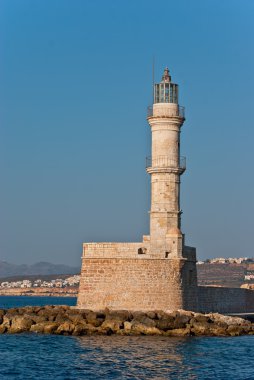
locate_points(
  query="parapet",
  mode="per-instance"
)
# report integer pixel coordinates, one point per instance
(137, 250)
(115, 250)
(189, 253)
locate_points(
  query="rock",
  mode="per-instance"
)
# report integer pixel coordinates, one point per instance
(201, 318)
(76, 318)
(72, 321)
(166, 322)
(235, 330)
(138, 328)
(3, 329)
(61, 317)
(13, 311)
(48, 313)
(114, 321)
(65, 328)
(36, 318)
(20, 324)
(93, 319)
(83, 329)
(144, 320)
(7, 321)
(127, 327)
(45, 327)
(110, 324)
(138, 315)
(152, 315)
(39, 327)
(216, 330)
(2, 313)
(120, 315)
(178, 332)
(199, 328)
(50, 327)
(181, 320)
(228, 320)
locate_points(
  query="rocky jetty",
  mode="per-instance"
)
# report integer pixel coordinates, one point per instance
(65, 320)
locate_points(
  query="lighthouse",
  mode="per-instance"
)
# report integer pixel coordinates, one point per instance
(158, 272)
(166, 165)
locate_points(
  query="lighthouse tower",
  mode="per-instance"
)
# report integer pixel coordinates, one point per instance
(158, 273)
(165, 167)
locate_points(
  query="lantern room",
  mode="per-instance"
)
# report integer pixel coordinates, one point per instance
(166, 91)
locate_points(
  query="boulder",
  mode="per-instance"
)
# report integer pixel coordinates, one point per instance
(127, 327)
(76, 318)
(181, 320)
(65, 328)
(20, 324)
(228, 320)
(178, 332)
(199, 328)
(111, 324)
(152, 315)
(144, 320)
(3, 329)
(217, 330)
(2, 313)
(36, 318)
(93, 319)
(49, 313)
(138, 328)
(7, 319)
(166, 322)
(236, 330)
(200, 318)
(45, 327)
(83, 329)
(119, 315)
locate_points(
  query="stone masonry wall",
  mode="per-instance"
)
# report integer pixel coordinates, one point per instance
(134, 284)
(113, 250)
(225, 300)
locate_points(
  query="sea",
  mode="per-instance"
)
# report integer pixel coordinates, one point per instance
(35, 356)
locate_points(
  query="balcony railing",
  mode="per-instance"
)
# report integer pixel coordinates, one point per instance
(166, 162)
(167, 112)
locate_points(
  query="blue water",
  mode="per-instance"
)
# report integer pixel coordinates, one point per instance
(7, 302)
(32, 356)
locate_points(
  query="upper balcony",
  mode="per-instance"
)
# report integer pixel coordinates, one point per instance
(179, 111)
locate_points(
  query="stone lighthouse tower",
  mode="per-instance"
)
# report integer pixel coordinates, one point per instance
(165, 167)
(158, 273)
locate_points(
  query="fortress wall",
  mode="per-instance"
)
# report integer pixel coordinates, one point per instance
(225, 300)
(114, 250)
(189, 285)
(133, 284)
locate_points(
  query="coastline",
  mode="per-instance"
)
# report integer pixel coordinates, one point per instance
(41, 292)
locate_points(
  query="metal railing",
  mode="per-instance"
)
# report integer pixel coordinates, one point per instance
(179, 112)
(166, 162)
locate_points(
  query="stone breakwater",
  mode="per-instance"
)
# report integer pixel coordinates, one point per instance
(65, 320)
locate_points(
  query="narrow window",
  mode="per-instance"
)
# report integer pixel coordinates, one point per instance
(141, 251)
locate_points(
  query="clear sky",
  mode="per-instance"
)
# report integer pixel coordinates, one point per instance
(75, 83)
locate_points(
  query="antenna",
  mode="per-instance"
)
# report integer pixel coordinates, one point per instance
(153, 79)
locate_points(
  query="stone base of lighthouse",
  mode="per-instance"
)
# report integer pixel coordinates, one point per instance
(129, 276)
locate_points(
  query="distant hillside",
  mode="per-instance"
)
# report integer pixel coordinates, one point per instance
(229, 275)
(42, 268)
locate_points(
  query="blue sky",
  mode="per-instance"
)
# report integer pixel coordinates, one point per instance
(75, 83)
